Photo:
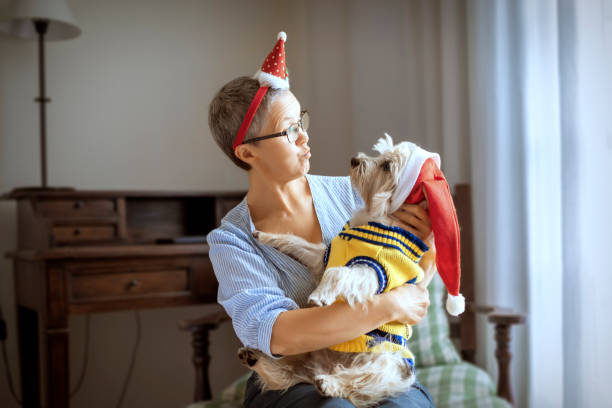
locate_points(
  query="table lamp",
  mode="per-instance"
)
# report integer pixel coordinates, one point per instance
(49, 20)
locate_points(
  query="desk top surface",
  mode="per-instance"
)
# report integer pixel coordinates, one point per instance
(109, 251)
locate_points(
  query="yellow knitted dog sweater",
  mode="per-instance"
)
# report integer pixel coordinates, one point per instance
(394, 254)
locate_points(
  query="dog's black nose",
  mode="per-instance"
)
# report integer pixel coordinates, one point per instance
(355, 162)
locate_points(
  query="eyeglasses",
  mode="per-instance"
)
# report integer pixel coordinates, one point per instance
(292, 131)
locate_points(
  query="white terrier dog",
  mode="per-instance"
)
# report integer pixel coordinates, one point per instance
(364, 378)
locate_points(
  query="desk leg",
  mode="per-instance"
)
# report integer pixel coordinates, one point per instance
(55, 355)
(27, 322)
(56, 334)
(58, 387)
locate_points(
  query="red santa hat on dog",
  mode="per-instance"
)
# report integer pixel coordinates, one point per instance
(272, 74)
(422, 172)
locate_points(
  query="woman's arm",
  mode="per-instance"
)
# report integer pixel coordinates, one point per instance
(265, 318)
(308, 329)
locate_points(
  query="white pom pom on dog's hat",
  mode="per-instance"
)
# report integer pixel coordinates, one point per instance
(455, 305)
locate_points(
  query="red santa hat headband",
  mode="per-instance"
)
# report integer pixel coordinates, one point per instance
(272, 74)
(422, 172)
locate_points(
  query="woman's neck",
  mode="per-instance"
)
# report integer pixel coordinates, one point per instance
(276, 198)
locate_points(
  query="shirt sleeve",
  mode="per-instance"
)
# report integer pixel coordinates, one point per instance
(248, 290)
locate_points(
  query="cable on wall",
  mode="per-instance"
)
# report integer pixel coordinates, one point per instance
(85, 359)
(133, 359)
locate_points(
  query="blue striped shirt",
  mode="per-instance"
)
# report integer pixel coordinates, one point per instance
(258, 282)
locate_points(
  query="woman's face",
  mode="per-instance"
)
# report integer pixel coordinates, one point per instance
(276, 157)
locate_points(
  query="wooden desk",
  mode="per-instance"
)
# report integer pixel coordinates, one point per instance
(95, 251)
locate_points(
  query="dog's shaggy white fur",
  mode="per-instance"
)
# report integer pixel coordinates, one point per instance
(363, 378)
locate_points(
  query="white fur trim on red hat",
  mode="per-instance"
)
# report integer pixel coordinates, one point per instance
(415, 156)
(455, 305)
(272, 81)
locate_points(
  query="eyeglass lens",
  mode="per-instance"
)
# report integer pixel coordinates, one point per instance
(294, 130)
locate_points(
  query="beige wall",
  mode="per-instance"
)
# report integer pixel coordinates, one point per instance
(129, 102)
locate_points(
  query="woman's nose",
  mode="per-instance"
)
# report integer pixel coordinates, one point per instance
(302, 137)
(355, 162)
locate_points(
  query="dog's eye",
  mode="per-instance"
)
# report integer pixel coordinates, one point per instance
(386, 165)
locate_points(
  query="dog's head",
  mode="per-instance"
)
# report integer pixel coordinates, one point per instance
(376, 178)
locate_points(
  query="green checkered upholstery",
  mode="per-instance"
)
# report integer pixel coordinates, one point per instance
(460, 385)
(450, 381)
(230, 398)
(430, 341)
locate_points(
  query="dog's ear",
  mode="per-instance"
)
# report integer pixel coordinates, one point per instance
(380, 203)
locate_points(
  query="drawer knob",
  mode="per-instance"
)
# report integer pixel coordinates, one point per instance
(78, 204)
(76, 231)
(133, 283)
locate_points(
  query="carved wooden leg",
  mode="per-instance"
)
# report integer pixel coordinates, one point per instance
(503, 355)
(56, 337)
(201, 360)
(503, 323)
(199, 329)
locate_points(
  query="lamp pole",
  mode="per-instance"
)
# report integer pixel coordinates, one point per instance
(41, 28)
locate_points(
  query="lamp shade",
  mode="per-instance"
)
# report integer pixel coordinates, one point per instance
(18, 21)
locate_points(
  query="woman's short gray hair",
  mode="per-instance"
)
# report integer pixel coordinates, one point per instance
(228, 108)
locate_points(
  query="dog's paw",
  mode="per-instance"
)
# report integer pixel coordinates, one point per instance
(327, 385)
(313, 299)
(248, 356)
(321, 298)
(330, 288)
(408, 373)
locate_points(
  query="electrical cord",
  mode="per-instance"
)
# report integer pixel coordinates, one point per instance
(85, 359)
(8, 369)
(133, 359)
(8, 374)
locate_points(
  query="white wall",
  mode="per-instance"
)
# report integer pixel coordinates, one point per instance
(129, 111)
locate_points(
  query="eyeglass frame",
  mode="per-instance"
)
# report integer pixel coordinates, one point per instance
(283, 133)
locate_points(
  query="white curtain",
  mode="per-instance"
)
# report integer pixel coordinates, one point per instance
(541, 129)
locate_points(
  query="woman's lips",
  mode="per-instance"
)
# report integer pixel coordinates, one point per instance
(306, 155)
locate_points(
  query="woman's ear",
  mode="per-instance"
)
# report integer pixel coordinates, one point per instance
(244, 153)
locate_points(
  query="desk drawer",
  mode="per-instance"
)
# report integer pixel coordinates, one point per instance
(63, 234)
(129, 284)
(58, 208)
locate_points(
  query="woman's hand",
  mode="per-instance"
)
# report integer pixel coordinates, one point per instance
(408, 303)
(414, 218)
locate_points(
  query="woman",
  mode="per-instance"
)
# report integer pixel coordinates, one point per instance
(264, 291)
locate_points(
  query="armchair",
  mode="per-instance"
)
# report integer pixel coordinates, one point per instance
(444, 346)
